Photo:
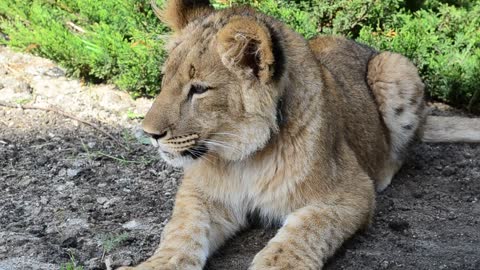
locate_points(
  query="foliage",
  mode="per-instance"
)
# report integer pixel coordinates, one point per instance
(72, 264)
(312, 17)
(110, 242)
(121, 41)
(445, 46)
(115, 41)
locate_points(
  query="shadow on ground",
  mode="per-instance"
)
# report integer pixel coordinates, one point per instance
(66, 191)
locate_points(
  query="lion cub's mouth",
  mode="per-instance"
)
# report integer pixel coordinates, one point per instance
(195, 152)
(186, 146)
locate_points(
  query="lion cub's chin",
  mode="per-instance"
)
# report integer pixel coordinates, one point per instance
(174, 160)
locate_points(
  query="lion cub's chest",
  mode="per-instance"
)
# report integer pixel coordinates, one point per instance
(267, 186)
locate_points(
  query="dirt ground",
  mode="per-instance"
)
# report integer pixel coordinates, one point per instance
(69, 192)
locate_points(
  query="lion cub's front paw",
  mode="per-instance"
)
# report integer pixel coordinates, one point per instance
(148, 266)
(279, 257)
(177, 262)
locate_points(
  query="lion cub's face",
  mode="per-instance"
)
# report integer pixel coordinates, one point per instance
(214, 102)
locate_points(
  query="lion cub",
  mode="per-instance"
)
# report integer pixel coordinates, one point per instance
(262, 120)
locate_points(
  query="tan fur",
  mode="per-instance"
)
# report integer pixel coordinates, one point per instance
(300, 132)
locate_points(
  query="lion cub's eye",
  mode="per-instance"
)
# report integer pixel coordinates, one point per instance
(198, 89)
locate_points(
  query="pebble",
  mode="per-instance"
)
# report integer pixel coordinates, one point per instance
(69, 242)
(385, 264)
(43, 199)
(398, 225)
(54, 72)
(94, 263)
(41, 161)
(448, 171)
(134, 225)
(451, 216)
(62, 172)
(23, 87)
(73, 172)
(121, 262)
(102, 200)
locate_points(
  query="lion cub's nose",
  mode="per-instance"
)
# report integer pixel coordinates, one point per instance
(155, 135)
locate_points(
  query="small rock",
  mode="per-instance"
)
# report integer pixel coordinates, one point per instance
(94, 263)
(134, 225)
(111, 202)
(42, 161)
(130, 225)
(54, 72)
(76, 222)
(2, 86)
(113, 100)
(121, 262)
(72, 172)
(43, 199)
(418, 194)
(451, 216)
(23, 87)
(448, 171)
(102, 200)
(69, 242)
(398, 225)
(37, 230)
(25, 182)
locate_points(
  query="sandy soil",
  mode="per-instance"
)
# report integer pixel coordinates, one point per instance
(66, 190)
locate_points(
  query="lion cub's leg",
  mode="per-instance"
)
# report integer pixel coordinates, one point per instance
(398, 90)
(312, 234)
(197, 227)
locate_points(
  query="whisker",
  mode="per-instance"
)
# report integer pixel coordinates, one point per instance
(224, 145)
(230, 134)
(198, 154)
(220, 143)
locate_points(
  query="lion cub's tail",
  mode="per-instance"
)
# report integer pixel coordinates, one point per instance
(398, 91)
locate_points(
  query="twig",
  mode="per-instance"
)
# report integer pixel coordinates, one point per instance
(108, 263)
(361, 17)
(3, 123)
(65, 114)
(76, 27)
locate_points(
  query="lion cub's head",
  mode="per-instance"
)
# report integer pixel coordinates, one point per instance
(221, 84)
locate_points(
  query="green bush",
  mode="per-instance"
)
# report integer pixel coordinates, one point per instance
(445, 46)
(115, 41)
(121, 41)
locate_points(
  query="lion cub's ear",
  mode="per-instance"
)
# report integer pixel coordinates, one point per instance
(245, 46)
(178, 13)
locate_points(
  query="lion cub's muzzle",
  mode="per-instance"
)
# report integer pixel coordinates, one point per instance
(185, 145)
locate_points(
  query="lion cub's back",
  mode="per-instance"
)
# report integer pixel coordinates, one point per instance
(355, 112)
(343, 57)
(392, 83)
